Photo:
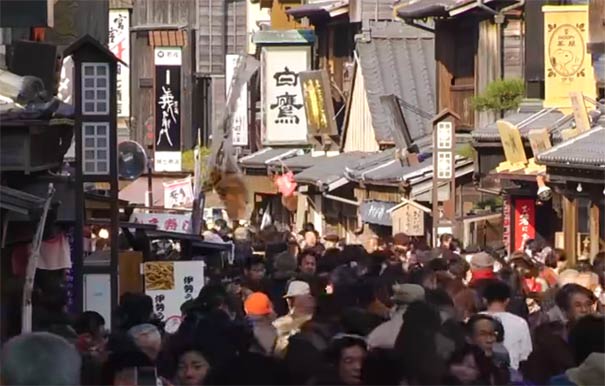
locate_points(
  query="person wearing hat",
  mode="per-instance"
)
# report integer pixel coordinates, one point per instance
(302, 307)
(259, 312)
(482, 271)
(385, 335)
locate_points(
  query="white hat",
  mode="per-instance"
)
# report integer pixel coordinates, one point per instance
(297, 288)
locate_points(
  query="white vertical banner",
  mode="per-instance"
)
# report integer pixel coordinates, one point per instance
(239, 122)
(283, 111)
(119, 44)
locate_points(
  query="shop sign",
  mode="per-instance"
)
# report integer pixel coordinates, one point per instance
(376, 212)
(239, 119)
(580, 114)
(317, 97)
(283, 110)
(506, 224)
(525, 221)
(178, 194)
(168, 222)
(172, 283)
(408, 219)
(568, 65)
(539, 141)
(119, 44)
(444, 143)
(513, 146)
(167, 109)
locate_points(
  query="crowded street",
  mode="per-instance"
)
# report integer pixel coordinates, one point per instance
(302, 192)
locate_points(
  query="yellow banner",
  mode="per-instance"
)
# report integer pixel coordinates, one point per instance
(567, 64)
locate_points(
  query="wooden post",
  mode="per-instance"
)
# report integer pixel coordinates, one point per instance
(594, 228)
(570, 228)
(32, 265)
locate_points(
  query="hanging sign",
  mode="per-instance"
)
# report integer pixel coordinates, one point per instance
(168, 222)
(317, 97)
(283, 110)
(119, 44)
(506, 221)
(168, 62)
(409, 219)
(172, 283)
(239, 119)
(567, 63)
(178, 194)
(525, 221)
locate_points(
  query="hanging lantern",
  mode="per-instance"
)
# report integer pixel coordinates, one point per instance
(286, 184)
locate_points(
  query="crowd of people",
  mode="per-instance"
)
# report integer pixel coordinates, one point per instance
(308, 310)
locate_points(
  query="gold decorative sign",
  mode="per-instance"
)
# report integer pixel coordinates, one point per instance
(568, 65)
(513, 147)
(317, 98)
(539, 141)
(579, 111)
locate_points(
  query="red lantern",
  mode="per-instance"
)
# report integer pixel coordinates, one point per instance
(286, 184)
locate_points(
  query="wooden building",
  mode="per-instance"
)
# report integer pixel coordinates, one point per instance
(205, 32)
(576, 171)
(475, 44)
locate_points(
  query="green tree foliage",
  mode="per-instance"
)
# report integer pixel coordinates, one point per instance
(500, 95)
(188, 159)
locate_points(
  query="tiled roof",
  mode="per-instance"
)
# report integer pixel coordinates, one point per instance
(384, 169)
(330, 169)
(320, 8)
(419, 9)
(399, 60)
(529, 119)
(587, 149)
(426, 8)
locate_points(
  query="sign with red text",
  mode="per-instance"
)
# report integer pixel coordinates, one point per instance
(168, 222)
(178, 194)
(525, 221)
(506, 220)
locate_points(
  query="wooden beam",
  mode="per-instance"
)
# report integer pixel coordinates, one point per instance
(570, 228)
(594, 228)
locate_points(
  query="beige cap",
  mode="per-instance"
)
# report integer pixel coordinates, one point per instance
(407, 293)
(482, 260)
(297, 288)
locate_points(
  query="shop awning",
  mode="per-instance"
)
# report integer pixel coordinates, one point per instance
(376, 212)
(136, 191)
(329, 174)
(262, 158)
(399, 60)
(587, 150)
(20, 202)
(317, 9)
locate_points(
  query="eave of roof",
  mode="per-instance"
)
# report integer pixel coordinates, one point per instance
(587, 150)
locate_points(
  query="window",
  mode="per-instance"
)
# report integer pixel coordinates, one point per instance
(95, 148)
(95, 88)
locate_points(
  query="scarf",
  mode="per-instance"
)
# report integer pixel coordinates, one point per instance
(483, 273)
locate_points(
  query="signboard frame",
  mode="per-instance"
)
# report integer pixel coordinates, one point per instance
(283, 117)
(167, 101)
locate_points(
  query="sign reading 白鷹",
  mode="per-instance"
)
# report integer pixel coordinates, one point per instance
(283, 111)
(167, 109)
